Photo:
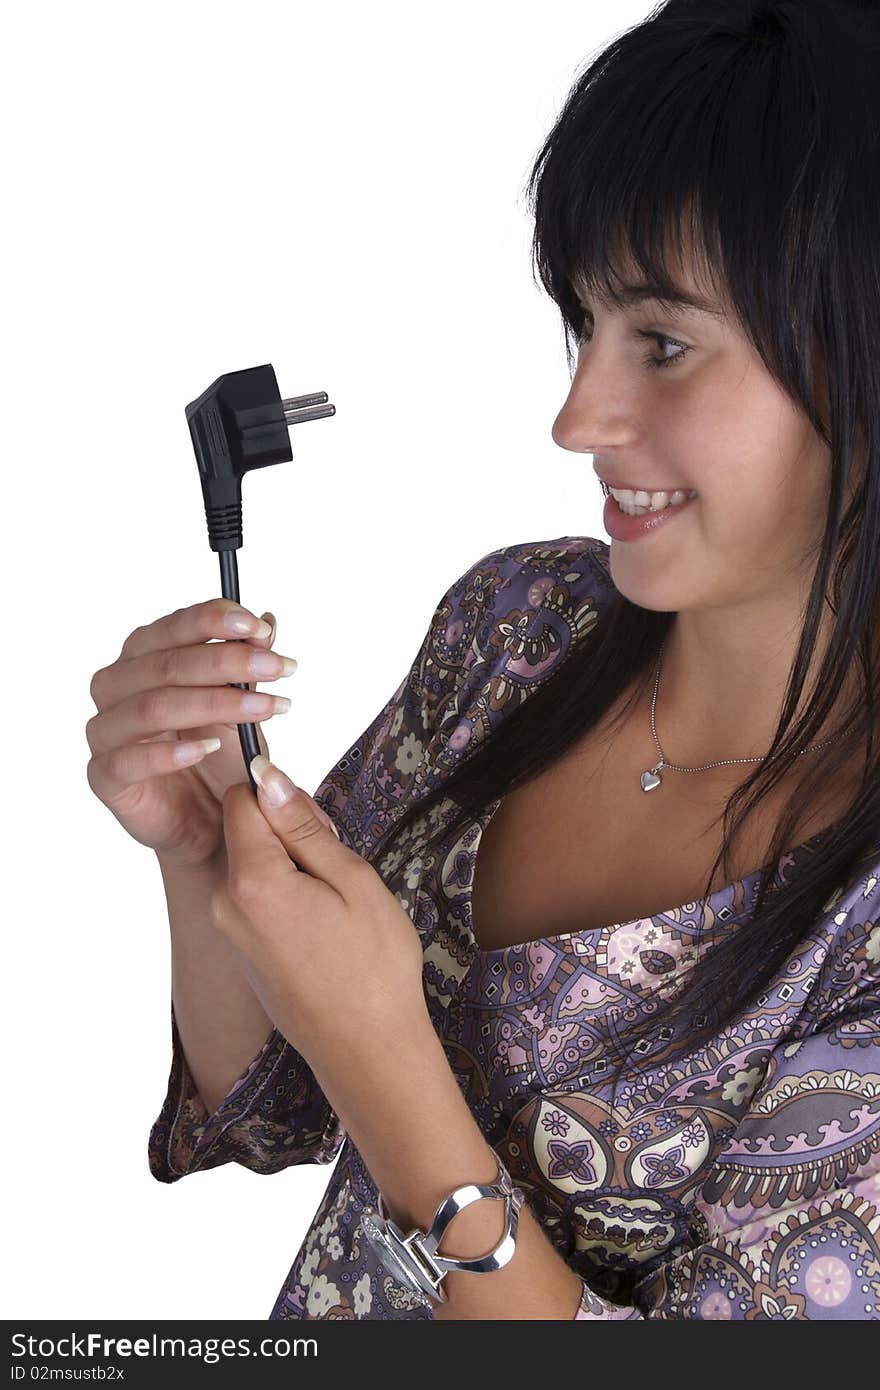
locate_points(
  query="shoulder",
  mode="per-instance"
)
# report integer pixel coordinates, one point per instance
(510, 571)
(496, 632)
(517, 582)
(504, 625)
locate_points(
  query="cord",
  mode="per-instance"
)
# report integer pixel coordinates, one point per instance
(238, 424)
(247, 733)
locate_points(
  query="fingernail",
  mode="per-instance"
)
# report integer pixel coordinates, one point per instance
(277, 787)
(237, 621)
(270, 619)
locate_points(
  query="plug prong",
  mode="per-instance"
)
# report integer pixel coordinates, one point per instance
(315, 412)
(294, 402)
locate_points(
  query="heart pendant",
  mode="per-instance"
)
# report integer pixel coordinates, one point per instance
(649, 781)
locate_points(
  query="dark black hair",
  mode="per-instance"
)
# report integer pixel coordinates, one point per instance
(752, 128)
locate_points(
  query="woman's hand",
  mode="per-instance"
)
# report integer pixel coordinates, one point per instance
(170, 686)
(330, 953)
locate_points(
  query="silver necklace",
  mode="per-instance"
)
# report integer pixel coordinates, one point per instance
(650, 778)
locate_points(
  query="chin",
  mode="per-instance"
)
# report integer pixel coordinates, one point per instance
(666, 591)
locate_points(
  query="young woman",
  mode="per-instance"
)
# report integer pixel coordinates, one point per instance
(652, 1026)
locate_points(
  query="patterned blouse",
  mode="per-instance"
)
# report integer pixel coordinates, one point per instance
(741, 1181)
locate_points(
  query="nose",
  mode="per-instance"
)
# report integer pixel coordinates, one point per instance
(595, 416)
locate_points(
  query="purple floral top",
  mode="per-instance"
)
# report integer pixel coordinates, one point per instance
(742, 1181)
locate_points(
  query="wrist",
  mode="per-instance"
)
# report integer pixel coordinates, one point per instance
(421, 1252)
(472, 1230)
(184, 867)
(413, 1130)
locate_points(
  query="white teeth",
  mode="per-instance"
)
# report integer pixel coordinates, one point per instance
(640, 503)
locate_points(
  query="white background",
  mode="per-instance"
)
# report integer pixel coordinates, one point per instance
(194, 188)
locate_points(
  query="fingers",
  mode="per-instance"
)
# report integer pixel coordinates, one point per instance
(185, 627)
(209, 663)
(192, 648)
(197, 623)
(151, 712)
(110, 773)
(267, 643)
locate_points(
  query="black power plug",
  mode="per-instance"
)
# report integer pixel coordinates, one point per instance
(240, 423)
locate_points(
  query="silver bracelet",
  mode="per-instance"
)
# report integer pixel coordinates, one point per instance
(413, 1258)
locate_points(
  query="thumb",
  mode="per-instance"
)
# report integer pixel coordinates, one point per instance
(279, 795)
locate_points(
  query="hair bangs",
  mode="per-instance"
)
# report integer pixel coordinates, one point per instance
(690, 145)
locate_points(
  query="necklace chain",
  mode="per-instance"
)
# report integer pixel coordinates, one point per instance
(651, 777)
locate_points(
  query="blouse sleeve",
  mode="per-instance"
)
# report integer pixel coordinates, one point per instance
(275, 1114)
(786, 1226)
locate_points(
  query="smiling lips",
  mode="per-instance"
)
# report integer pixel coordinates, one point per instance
(642, 503)
(636, 487)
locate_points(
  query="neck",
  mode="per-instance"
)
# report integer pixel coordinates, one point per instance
(722, 685)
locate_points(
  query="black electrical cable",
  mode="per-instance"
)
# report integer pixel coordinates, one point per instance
(247, 733)
(238, 424)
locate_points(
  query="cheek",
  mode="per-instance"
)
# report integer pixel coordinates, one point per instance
(741, 493)
(764, 528)
(758, 466)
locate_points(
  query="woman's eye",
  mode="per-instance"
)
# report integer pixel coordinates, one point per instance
(660, 338)
(582, 335)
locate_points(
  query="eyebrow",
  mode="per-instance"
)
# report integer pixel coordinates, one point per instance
(632, 295)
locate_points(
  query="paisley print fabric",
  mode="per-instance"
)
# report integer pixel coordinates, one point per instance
(741, 1181)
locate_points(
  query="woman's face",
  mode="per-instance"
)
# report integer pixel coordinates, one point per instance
(713, 419)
